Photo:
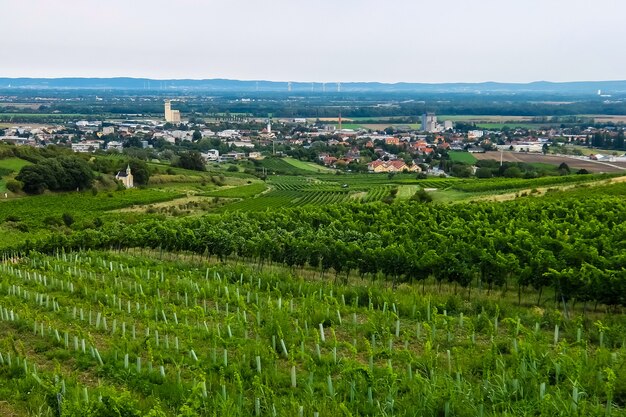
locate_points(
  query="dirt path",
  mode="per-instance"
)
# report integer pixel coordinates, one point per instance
(7, 410)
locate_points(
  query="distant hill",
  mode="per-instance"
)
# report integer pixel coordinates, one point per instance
(224, 85)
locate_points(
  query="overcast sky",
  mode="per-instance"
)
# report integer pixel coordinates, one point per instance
(316, 40)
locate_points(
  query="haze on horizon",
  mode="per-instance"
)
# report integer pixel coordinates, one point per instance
(321, 41)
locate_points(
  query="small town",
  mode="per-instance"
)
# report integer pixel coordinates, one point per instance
(397, 148)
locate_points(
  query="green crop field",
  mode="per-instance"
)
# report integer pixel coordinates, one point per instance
(513, 125)
(295, 191)
(460, 156)
(141, 335)
(308, 166)
(37, 216)
(274, 165)
(243, 191)
(504, 184)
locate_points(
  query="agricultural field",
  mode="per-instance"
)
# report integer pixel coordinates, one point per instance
(14, 118)
(308, 166)
(294, 191)
(460, 156)
(38, 216)
(185, 337)
(513, 125)
(506, 184)
(575, 163)
(280, 166)
(243, 191)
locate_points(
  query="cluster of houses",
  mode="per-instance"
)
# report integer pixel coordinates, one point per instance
(348, 145)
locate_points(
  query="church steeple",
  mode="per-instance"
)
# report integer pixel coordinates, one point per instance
(128, 169)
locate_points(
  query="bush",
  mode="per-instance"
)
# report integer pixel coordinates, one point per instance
(484, 173)
(52, 221)
(67, 219)
(422, 196)
(14, 186)
(191, 160)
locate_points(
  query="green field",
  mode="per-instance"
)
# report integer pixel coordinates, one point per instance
(275, 165)
(37, 216)
(244, 191)
(308, 166)
(13, 164)
(226, 340)
(460, 156)
(9, 167)
(513, 125)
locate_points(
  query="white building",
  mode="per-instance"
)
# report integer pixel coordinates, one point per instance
(115, 146)
(108, 130)
(15, 140)
(242, 144)
(211, 155)
(535, 147)
(475, 134)
(228, 133)
(87, 146)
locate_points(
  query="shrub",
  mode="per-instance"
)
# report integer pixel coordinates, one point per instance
(67, 219)
(422, 196)
(14, 186)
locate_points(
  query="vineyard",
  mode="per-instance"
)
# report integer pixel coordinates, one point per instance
(295, 191)
(89, 332)
(504, 184)
(28, 218)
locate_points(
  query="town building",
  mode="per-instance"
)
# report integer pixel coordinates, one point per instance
(171, 116)
(211, 155)
(115, 146)
(87, 146)
(429, 122)
(108, 130)
(392, 166)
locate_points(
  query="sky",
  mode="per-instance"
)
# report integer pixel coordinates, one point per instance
(316, 40)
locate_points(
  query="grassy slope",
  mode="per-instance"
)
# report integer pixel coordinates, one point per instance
(308, 166)
(14, 164)
(11, 164)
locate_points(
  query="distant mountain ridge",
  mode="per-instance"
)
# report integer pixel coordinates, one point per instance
(226, 85)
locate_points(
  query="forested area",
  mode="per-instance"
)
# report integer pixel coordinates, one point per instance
(575, 246)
